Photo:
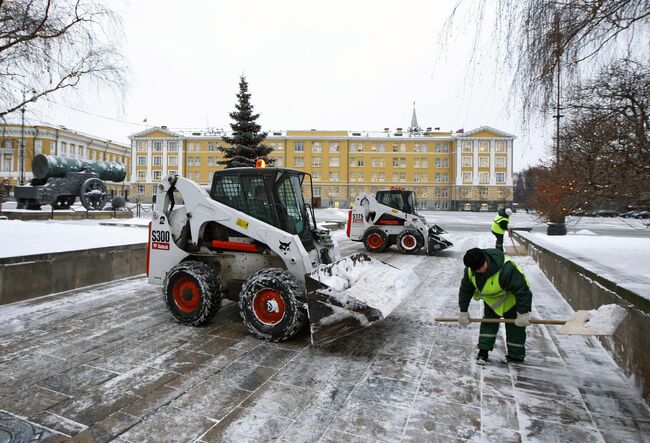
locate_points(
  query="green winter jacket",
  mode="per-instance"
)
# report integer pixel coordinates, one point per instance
(500, 222)
(510, 279)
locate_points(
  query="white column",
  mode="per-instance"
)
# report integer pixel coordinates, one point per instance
(509, 162)
(459, 150)
(179, 156)
(164, 157)
(149, 160)
(134, 158)
(493, 147)
(475, 163)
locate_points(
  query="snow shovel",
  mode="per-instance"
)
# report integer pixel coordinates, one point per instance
(435, 241)
(578, 324)
(353, 293)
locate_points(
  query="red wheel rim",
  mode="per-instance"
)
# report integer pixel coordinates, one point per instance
(187, 295)
(269, 307)
(409, 242)
(375, 241)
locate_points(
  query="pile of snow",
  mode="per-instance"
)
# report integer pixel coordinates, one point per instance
(373, 282)
(584, 232)
(605, 319)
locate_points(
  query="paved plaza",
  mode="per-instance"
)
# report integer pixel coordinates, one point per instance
(108, 363)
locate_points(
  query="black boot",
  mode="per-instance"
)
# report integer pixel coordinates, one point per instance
(511, 359)
(482, 357)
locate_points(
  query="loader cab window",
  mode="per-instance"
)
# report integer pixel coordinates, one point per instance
(400, 200)
(290, 195)
(245, 193)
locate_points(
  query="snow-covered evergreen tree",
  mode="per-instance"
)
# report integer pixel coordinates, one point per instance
(246, 140)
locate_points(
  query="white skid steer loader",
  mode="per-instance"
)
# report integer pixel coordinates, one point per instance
(254, 240)
(390, 218)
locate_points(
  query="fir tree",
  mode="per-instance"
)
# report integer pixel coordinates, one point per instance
(246, 141)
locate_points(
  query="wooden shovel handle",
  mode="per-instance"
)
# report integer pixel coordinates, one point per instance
(504, 320)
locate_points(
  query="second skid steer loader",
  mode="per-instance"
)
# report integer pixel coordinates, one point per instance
(254, 240)
(390, 218)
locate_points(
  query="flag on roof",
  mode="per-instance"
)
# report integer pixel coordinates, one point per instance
(460, 131)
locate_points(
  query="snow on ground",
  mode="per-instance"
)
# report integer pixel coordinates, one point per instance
(625, 255)
(21, 238)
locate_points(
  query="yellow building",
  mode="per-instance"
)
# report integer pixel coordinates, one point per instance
(16, 163)
(447, 171)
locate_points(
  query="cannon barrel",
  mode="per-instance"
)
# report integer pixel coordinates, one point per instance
(46, 166)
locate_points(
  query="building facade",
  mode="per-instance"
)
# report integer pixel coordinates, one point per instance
(16, 163)
(447, 171)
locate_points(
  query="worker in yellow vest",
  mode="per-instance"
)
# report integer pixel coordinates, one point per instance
(500, 225)
(492, 277)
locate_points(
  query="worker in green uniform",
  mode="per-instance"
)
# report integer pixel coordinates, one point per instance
(500, 225)
(492, 277)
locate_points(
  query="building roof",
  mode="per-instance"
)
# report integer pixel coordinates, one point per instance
(484, 129)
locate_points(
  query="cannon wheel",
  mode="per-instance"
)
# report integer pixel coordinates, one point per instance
(93, 194)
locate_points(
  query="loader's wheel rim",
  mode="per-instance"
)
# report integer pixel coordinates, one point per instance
(375, 241)
(409, 242)
(187, 295)
(269, 307)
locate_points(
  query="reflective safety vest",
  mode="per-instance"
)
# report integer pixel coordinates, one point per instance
(496, 228)
(493, 294)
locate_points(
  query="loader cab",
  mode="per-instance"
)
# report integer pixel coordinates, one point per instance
(272, 195)
(398, 199)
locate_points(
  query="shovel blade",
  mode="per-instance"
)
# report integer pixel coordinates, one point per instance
(591, 322)
(353, 293)
(436, 242)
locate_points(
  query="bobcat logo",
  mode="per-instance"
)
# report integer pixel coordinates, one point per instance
(162, 220)
(285, 246)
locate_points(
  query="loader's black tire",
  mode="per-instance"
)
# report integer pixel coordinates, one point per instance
(192, 292)
(270, 304)
(375, 240)
(409, 241)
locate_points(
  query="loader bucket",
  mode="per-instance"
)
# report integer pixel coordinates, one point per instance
(353, 293)
(435, 241)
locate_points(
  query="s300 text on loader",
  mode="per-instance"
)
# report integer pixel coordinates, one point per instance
(391, 218)
(254, 240)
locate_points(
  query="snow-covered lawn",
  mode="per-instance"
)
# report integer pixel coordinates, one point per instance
(19, 238)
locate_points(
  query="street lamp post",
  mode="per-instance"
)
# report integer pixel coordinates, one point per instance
(21, 154)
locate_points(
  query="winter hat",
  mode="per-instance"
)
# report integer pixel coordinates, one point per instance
(474, 259)
(508, 212)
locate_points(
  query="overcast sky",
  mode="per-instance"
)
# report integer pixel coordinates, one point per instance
(353, 65)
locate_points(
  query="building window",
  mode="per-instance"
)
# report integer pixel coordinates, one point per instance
(483, 146)
(356, 176)
(142, 175)
(316, 147)
(299, 162)
(399, 177)
(445, 178)
(483, 177)
(299, 147)
(316, 175)
(484, 162)
(172, 145)
(280, 147)
(157, 146)
(7, 163)
(399, 162)
(438, 162)
(142, 145)
(501, 177)
(420, 178)
(211, 161)
(334, 176)
(467, 161)
(172, 160)
(356, 162)
(279, 162)
(377, 177)
(142, 160)
(437, 177)
(157, 175)
(140, 189)
(421, 163)
(378, 163)
(38, 146)
(197, 161)
(211, 146)
(334, 147)
(467, 177)
(172, 172)
(501, 146)
(468, 146)
(382, 147)
(420, 148)
(334, 162)
(356, 147)
(316, 191)
(316, 162)
(157, 160)
(445, 192)
(500, 162)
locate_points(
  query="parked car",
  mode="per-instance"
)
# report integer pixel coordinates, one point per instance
(606, 213)
(643, 214)
(578, 212)
(629, 214)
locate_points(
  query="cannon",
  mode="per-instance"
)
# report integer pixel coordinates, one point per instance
(58, 181)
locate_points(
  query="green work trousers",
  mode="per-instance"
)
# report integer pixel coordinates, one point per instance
(515, 335)
(499, 244)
